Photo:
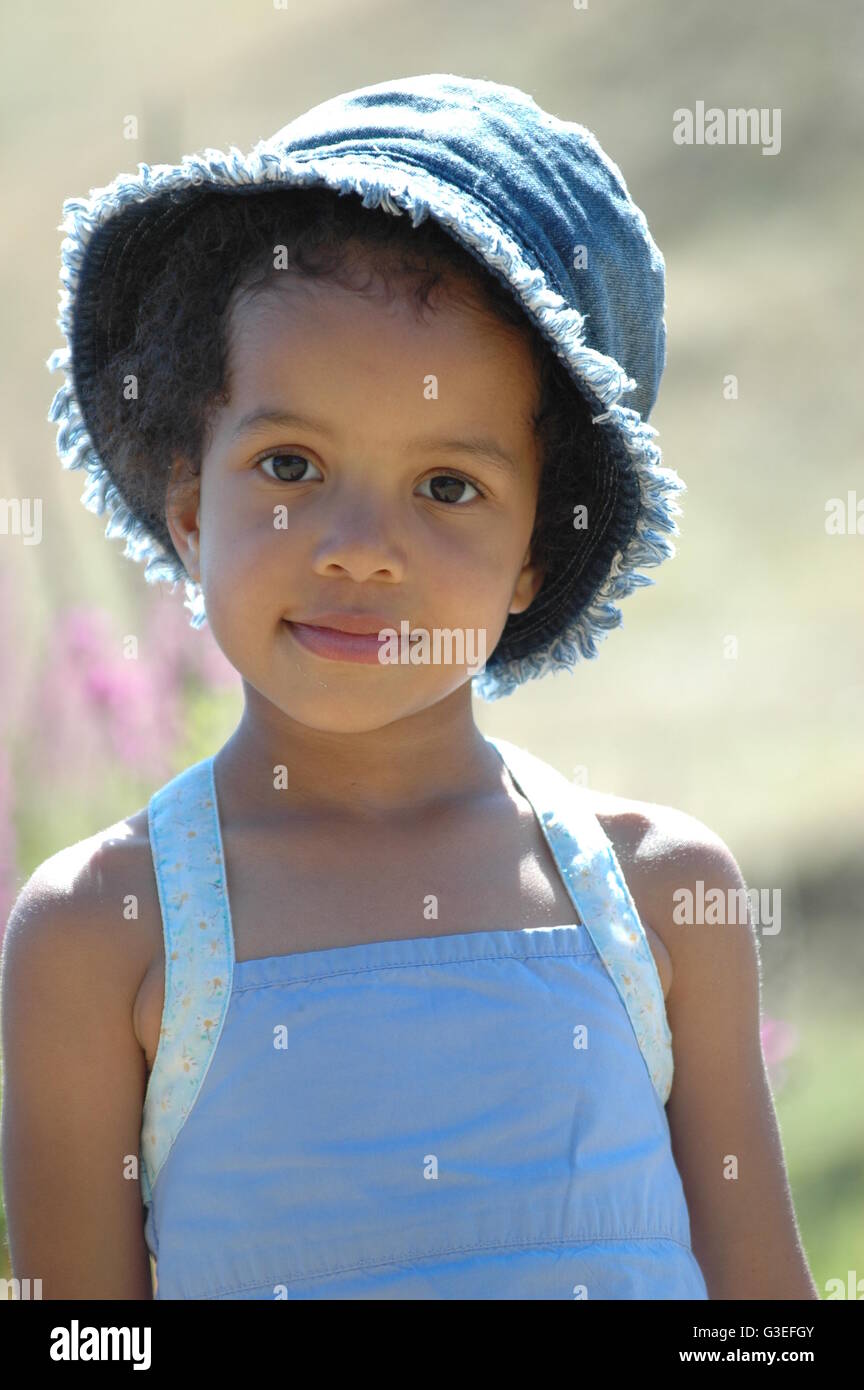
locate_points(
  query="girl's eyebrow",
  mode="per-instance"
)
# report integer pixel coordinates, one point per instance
(477, 445)
(270, 416)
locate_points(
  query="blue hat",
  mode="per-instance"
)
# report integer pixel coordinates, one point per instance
(533, 198)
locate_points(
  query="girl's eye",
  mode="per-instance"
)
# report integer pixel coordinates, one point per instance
(446, 487)
(288, 467)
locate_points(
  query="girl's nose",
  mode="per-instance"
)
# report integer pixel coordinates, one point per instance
(362, 540)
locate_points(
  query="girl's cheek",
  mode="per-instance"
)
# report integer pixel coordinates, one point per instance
(243, 529)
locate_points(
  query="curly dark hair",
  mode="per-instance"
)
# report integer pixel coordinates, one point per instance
(179, 354)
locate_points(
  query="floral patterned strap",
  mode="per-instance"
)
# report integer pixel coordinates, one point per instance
(186, 845)
(591, 871)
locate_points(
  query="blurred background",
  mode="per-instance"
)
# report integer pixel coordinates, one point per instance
(760, 736)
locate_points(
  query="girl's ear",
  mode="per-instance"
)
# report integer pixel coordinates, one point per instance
(528, 584)
(182, 517)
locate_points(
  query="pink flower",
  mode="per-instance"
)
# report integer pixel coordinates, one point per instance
(106, 696)
(189, 651)
(779, 1041)
(8, 844)
(12, 701)
(100, 699)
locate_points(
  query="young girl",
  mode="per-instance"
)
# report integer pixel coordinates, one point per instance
(367, 1005)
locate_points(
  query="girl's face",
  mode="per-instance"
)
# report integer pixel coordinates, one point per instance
(371, 495)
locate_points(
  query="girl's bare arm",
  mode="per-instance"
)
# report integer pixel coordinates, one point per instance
(722, 1120)
(74, 1079)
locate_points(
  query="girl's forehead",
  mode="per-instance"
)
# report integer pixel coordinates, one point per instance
(296, 300)
(317, 331)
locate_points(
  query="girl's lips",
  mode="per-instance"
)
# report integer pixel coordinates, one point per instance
(337, 646)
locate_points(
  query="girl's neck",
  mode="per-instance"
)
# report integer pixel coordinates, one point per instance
(412, 766)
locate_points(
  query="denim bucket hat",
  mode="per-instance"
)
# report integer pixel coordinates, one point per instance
(533, 198)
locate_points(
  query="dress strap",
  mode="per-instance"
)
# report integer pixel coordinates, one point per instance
(592, 874)
(186, 843)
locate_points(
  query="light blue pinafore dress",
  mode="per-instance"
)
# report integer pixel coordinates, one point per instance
(475, 1116)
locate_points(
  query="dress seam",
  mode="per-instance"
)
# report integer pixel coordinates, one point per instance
(404, 965)
(443, 1253)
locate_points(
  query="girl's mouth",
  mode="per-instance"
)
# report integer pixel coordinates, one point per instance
(334, 645)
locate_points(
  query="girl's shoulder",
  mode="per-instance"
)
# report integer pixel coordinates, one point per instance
(90, 907)
(648, 833)
(663, 851)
